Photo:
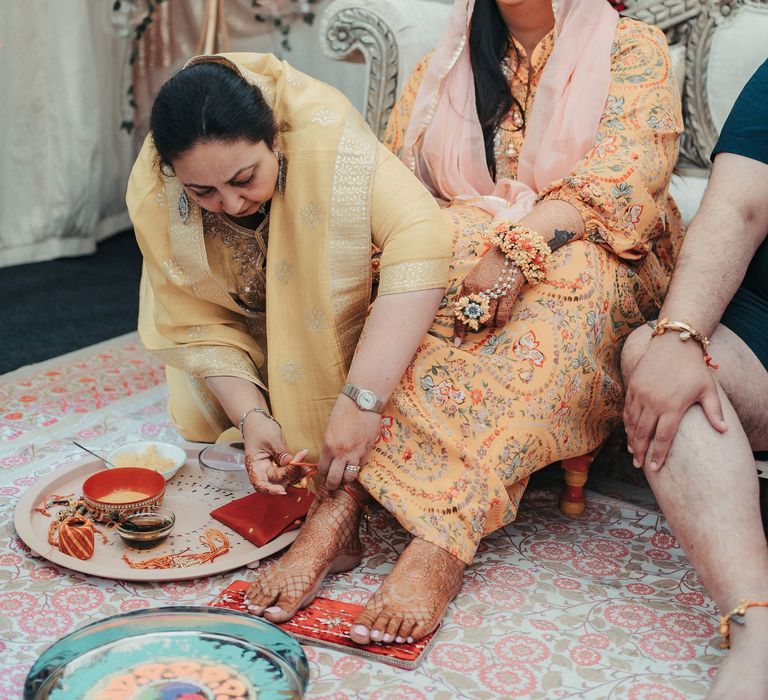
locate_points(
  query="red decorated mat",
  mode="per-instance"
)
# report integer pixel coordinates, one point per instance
(326, 622)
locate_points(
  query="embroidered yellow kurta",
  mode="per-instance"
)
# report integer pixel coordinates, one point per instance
(344, 192)
(467, 426)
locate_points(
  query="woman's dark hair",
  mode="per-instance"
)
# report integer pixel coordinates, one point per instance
(489, 42)
(208, 102)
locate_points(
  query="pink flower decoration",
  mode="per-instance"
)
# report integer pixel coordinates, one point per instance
(595, 639)
(584, 656)
(457, 657)
(567, 584)
(663, 540)
(46, 625)
(553, 551)
(630, 616)
(603, 547)
(44, 573)
(600, 567)
(507, 681)
(509, 576)
(654, 691)
(687, 625)
(544, 625)
(692, 598)
(347, 665)
(640, 589)
(390, 694)
(520, 648)
(621, 533)
(663, 646)
(130, 604)
(506, 600)
(18, 604)
(78, 599)
(658, 554)
(466, 619)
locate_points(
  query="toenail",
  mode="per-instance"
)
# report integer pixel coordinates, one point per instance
(274, 609)
(410, 640)
(360, 631)
(399, 640)
(376, 635)
(388, 638)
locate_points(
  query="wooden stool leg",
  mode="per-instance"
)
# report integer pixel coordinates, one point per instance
(575, 470)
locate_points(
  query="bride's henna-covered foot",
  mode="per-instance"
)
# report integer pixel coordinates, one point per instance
(413, 598)
(327, 543)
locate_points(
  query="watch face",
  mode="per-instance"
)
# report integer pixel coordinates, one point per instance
(366, 399)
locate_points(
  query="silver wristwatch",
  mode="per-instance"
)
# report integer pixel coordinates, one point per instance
(365, 399)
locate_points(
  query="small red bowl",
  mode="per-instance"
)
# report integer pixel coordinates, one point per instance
(114, 494)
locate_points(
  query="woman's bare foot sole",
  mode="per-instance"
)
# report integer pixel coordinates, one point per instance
(328, 543)
(413, 598)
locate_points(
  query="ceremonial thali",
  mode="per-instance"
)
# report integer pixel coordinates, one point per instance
(191, 494)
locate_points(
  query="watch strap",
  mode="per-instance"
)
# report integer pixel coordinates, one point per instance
(354, 393)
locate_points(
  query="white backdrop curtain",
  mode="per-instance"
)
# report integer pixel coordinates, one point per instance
(64, 161)
(63, 75)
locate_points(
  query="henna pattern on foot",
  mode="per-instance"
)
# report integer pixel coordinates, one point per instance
(413, 598)
(327, 543)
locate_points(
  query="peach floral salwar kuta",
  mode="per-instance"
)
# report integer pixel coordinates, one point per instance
(467, 426)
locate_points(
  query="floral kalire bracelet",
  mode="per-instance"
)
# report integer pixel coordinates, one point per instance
(524, 247)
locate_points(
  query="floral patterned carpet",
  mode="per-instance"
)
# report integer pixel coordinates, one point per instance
(604, 605)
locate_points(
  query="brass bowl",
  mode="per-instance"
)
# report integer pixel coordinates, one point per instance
(104, 493)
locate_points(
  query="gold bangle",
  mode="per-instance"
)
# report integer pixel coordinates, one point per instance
(686, 332)
(525, 247)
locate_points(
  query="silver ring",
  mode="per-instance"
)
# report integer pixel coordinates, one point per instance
(354, 468)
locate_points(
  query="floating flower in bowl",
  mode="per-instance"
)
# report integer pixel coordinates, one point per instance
(114, 494)
(163, 457)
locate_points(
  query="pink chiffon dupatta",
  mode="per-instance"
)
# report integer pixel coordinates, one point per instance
(444, 144)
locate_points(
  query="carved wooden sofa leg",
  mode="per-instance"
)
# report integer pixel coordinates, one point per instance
(575, 472)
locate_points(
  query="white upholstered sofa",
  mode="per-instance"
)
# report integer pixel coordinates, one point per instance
(715, 46)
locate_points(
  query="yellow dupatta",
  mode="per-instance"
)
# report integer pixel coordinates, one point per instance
(318, 267)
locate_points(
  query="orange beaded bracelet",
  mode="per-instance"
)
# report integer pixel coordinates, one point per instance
(737, 615)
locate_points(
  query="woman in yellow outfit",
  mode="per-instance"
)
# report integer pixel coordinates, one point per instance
(247, 154)
(563, 123)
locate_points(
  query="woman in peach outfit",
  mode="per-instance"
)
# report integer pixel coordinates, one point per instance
(562, 120)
